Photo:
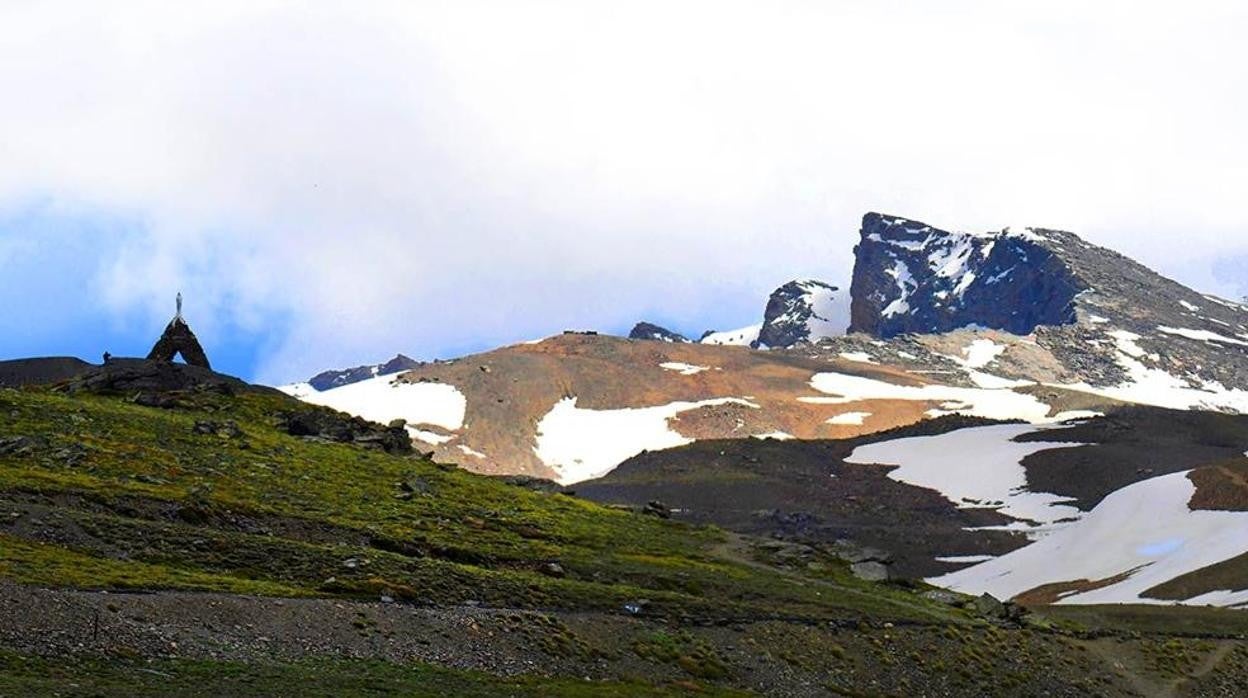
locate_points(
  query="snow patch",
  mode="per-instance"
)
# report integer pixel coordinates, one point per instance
(744, 337)
(1202, 335)
(975, 468)
(850, 418)
(979, 402)
(581, 444)
(684, 369)
(859, 356)
(385, 398)
(1144, 530)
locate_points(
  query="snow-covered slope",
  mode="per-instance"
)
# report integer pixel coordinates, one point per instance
(1135, 540)
(427, 408)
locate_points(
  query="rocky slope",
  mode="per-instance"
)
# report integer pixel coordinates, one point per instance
(1109, 321)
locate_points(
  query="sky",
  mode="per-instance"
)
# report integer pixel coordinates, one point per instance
(332, 183)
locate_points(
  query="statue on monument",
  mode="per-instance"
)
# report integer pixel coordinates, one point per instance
(179, 339)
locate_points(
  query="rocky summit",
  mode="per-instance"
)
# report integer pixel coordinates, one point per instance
(800, 311)
(646, 330)
(328, 380)
(912, 278)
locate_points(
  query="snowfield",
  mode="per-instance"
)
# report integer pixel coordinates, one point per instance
(384, 399)
(1145, 531)
(582, 444)
(974, 468)
(743, 337)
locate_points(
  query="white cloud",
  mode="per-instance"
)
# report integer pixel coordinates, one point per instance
(428, 176)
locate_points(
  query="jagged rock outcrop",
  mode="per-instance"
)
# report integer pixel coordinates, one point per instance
(179, 339)
(800, 311)
(1106, 319)
(912, 278)
(646, 330)
(329, 380)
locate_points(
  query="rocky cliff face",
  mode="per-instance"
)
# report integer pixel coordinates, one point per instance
(800, 311)
(912, 278)
(336, 379)
(1107, 319)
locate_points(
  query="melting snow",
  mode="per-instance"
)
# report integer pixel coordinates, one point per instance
(973, 468)
(905, 285)
(742, 337)
(384, 398)
(471, 452)
(1145, 530)
(850, 418)
(1151, 386)
(1202, 335)
(585, 444)
(684, 369)
(980, 353)
(980, 402)
(859, 356)
(1189, 306)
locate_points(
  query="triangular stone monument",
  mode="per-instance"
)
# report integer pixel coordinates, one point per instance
(179, 339)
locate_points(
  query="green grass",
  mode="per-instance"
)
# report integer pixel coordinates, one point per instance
(142, 501)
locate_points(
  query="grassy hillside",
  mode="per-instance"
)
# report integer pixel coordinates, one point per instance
(136, 497)
(267, 560)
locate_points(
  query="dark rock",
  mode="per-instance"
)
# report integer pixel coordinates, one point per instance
(646, 330)
(657, 508)
(179, 339)
(800, 311)
(327, 425)
(22, 445)
(329, 380)
(535, 484)
(942, 596)
(989, 606)
(912, 278)
(151, 383)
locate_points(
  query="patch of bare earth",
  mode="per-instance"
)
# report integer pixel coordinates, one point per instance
(1048, 594)
(1222, 487)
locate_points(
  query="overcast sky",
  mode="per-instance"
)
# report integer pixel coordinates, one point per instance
(331, 186)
